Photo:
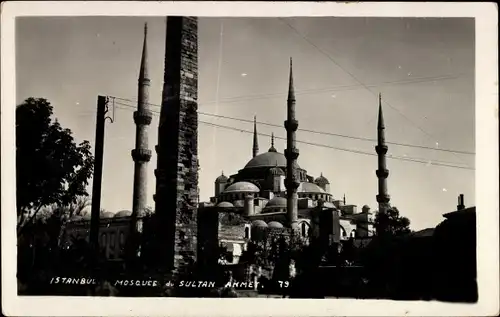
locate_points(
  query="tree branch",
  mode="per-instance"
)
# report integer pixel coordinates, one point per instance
(21, 226)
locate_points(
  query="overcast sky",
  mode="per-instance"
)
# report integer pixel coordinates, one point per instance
(424, 69)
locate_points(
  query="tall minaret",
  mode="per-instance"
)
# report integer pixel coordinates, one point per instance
(291, 154)
(141, 154)
(382, 172)
(255, 138)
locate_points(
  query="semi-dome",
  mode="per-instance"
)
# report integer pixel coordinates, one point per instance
(259, 223)
(321, 180)
(306, 187)
(107, 214)
(245, 187)
(222, 178)
(275, 225)
(276, 202)
(268, 159)
(123, 213)
(225, 204)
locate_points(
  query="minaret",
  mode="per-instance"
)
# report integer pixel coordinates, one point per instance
(255, 138)
(291, 154)
(176, 173)
(382, 171)
(141, 154)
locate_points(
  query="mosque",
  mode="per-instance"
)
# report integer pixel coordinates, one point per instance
(270, 193)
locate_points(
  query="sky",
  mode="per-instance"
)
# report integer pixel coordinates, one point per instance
(424, 69)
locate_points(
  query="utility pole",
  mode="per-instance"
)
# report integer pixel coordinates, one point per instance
(102, 109)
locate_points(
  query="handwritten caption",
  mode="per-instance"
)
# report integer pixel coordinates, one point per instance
(155, 283)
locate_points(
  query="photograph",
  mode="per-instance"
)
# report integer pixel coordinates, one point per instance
(187, 155)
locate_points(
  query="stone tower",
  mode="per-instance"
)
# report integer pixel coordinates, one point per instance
(255, 148)
(291, 154)
(382, 172)
(177, 168)
(141, 154)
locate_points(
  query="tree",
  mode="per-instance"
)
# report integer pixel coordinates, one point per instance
(391, 223)
(51, 168)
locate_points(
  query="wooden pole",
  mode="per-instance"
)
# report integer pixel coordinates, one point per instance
(97, 180)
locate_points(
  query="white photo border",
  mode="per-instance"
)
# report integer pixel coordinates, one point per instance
(487, 189)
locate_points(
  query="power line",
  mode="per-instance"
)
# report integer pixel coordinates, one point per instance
(355, 78)
(337, 88)
(409, 159)
(316, 132)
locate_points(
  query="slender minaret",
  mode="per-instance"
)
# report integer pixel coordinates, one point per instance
(141, 154)
(255, 138)
(291, 154)
(382, 172)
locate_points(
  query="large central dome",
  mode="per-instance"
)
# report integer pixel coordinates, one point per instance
(268, 159)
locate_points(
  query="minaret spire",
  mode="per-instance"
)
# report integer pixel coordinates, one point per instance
(291, 154)
(144, 72)
(383, 197)
(272, 148)
(141, 154)
(255, 138)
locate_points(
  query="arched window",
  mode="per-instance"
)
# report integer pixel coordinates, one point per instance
(247, 233)
(304, 231)
(104, 240)
(122, 239)
(112, 240)
(353, 234)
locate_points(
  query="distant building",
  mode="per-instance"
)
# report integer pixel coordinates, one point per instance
(271, 193)
(455, 255)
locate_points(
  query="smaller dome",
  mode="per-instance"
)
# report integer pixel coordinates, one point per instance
(123, 213)
(329, 204)
(276, 202)
(239, 203)
(274, 225)
(276, 171)
(306, 187)
(222, 178)
(259, 223)
(107, 214)
(246, 187)
(76, 218)
(87, 216)
(321, 180)
(225, 204)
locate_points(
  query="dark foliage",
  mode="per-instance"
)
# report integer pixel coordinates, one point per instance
(391, 223)
(51, 167)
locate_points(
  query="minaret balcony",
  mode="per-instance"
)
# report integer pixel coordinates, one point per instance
(382, 173)
(141, 155)
(383, 198)
(381, 149)
(144, 81)
(291, 125)
(292, 154)
(143, 117)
